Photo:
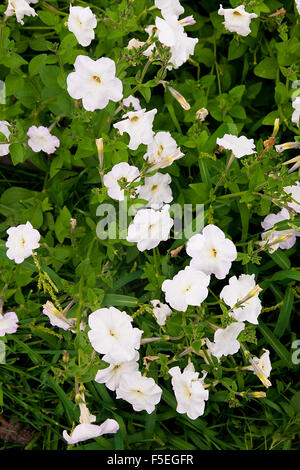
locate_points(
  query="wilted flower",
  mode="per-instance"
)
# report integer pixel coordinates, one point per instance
(225, 340)
(95, 82)
(141, 392)
(112, 375)
(237, 20)
(201, 114)
(4, 148)
(21, 242)
(240, 146)
(138, 126)
(150, 227)
(188, 287)
(162, 150)
(111, 333)
(156, 190)
(40, 139)
(8, 323)
(294, 193)
(296, 113)
(120, 172)
(238, 289)
(161, 311)
(189, 391)
(20, 8)
(133, 101)
(81, 23)
(211, 252)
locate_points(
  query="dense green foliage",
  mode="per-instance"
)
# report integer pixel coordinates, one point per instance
(245, 83)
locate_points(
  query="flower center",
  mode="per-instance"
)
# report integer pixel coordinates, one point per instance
(214, 252)
(96, 78)
(22, 242)
(160, 150)
(154, 187)
(187, 288)
(237, 13)
(134, 119)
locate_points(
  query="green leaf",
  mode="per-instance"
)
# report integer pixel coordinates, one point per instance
(282, 352)
(285, 313)
(115, 300)
(17, 153)
(267, 68)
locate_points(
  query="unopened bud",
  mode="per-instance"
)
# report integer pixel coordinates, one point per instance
(99, 145)
(288, 145)
(181, 99)
(276, 127)
(257, 394)
(201, 114)
(187, 21)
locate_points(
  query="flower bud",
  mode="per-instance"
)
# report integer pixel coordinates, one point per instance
(181, 100)
(99, 145)
(288, 145)
(187, 21)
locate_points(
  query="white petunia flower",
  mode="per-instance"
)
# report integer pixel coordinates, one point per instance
(141, 392)
(156, 190)
(21, 242)
(268, 236)
(296, 113)
(162, 150)
(189, 391)
(294, 192)
(237, 20)
(150, 227)
(225, 340)
(112, 375)
(138, 126)
(112, 333)
(211, 252)
(85, 431)
(298, 5)
(188, 287)
(161, 311)
(262, 367)
(4, 148)
(81, 23)
(169, 7)
(133, 101)
(20, 8)
(240, 146)
(238, 289)
(8, 323)
(120, 172)
(40, 139)
(170, 32)
(94, 82)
